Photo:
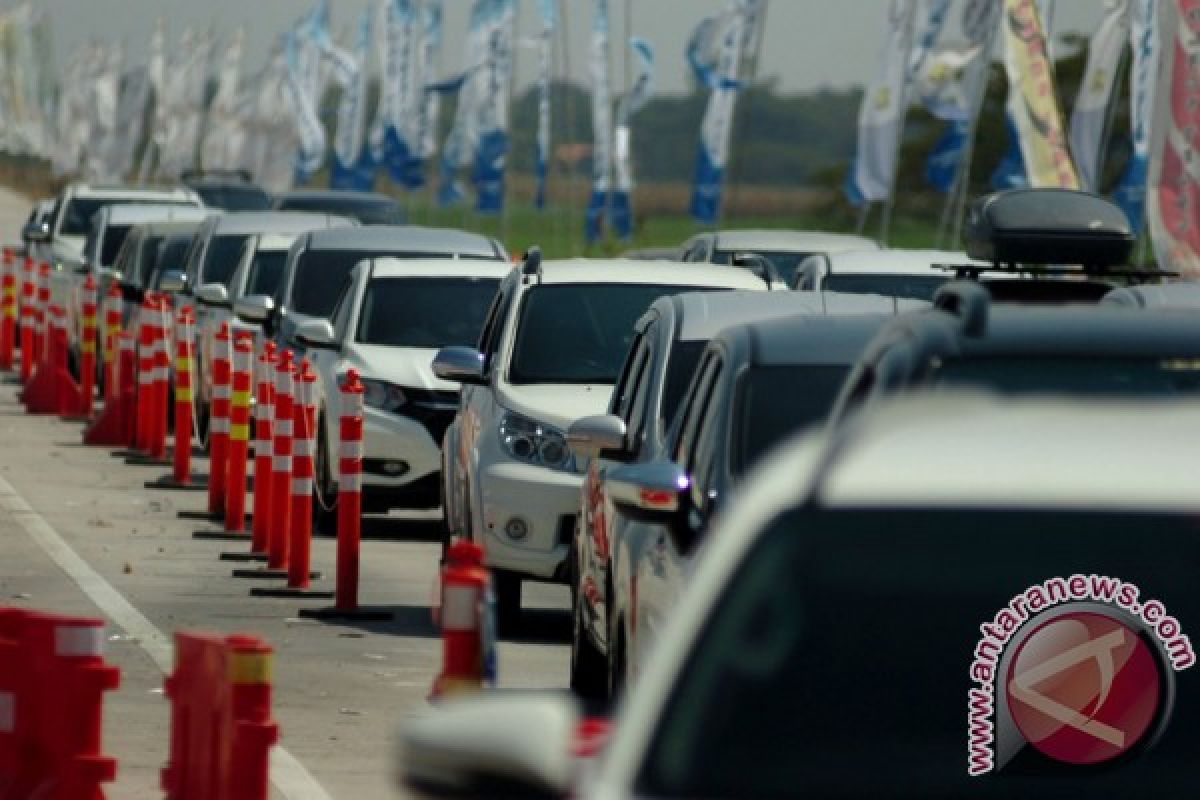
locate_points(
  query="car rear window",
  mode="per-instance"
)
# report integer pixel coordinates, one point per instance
(319, 278)
(774, 402)
(841, 658)
(681, 365)
(234, 198)
(916, 287)
(1098, 375)
(412, 312)
(785, 263)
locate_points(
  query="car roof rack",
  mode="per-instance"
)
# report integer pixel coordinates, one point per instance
(968, 301)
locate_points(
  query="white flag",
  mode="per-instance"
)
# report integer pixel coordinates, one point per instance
(224, 132)
(881, 116)
(1090, 117)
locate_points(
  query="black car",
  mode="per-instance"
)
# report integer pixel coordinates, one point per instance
(228, 190)
(369, 208)
(967, 341)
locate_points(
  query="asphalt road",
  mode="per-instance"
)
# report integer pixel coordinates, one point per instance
(80, 534)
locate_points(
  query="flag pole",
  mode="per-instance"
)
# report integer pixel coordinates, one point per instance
(567, 88)
(962, 183)
(889, 204)
(741, 112)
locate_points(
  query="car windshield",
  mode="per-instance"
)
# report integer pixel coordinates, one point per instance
(917, 287)
(838, 660)
(367, 211)
(412, 312)
(266, 271)
(1098, 375)
(319, 278)
(114, 237)
(785, 262)
(579, 332)
(221, 258)
(777, 401)
(234, 198)
(79, 211)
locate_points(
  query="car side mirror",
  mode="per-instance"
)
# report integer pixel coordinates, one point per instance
(654, 493)
(459, 364)
(213, 294)
(599, 435)
(318, 333)
(490, 746)
(172, 281)
(36, 232)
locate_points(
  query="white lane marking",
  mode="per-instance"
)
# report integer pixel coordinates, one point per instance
(287, 773)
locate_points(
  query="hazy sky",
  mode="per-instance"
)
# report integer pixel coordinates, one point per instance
(808, 44)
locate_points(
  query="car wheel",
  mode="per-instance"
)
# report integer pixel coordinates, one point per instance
(589, 677)
(324, 494)
(508, 601)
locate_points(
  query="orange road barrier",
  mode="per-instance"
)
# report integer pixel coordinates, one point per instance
(52, 389)
(281, 463)
(114, 425)
(114, 306)
(51, 706)
(28, 311)
(161, 379)
(181, 476)
(467, 622)
(87, 349)
(264, 411)
(222, 730)
(218, 423)
(150, 423)
(238, 455)
(304, 420)
(41, 309)
(145, 376)
(8, 308)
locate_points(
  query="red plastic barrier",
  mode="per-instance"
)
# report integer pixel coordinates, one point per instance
(221, 725)
(28, 289)
(185, 371)
(304, 445)
(54, 681)
(114, 306)
(87, 348)
(468, 660)
(160, 375)
(52, 389)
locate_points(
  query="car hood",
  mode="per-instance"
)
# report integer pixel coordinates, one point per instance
(402, 366)
(558, 404)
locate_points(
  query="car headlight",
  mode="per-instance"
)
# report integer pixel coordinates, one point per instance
(530, 441)
(383, 395)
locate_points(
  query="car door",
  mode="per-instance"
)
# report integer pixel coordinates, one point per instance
(327, 363)
(658, 573)
(478, 407)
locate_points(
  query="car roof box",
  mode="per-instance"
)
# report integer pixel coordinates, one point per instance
(1048, 226)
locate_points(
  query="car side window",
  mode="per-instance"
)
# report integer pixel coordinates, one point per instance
(493, 331)
(631, 373)
(694, 410)
(701, 460)
(341, 311)
(635, 420)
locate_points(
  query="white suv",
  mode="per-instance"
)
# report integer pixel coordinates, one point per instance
(550, 351)
(390, 318)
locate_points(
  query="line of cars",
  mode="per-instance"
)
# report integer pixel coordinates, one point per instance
(826, 511)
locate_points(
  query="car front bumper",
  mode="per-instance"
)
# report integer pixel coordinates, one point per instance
(546, 502)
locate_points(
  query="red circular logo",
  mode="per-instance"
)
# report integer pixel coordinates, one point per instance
(1083, 688)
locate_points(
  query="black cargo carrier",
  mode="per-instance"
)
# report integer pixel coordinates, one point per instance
(1048, 226)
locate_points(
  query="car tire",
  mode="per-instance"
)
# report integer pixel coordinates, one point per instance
(325, 514)
(589, 667)
(508, 601)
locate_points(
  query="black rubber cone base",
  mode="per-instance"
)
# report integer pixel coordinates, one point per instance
(196, 483)
(127, 453)
(287, 591)
(238, 556)
(332, 614)
(204, 516)
(270, 574)
(222, 536)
